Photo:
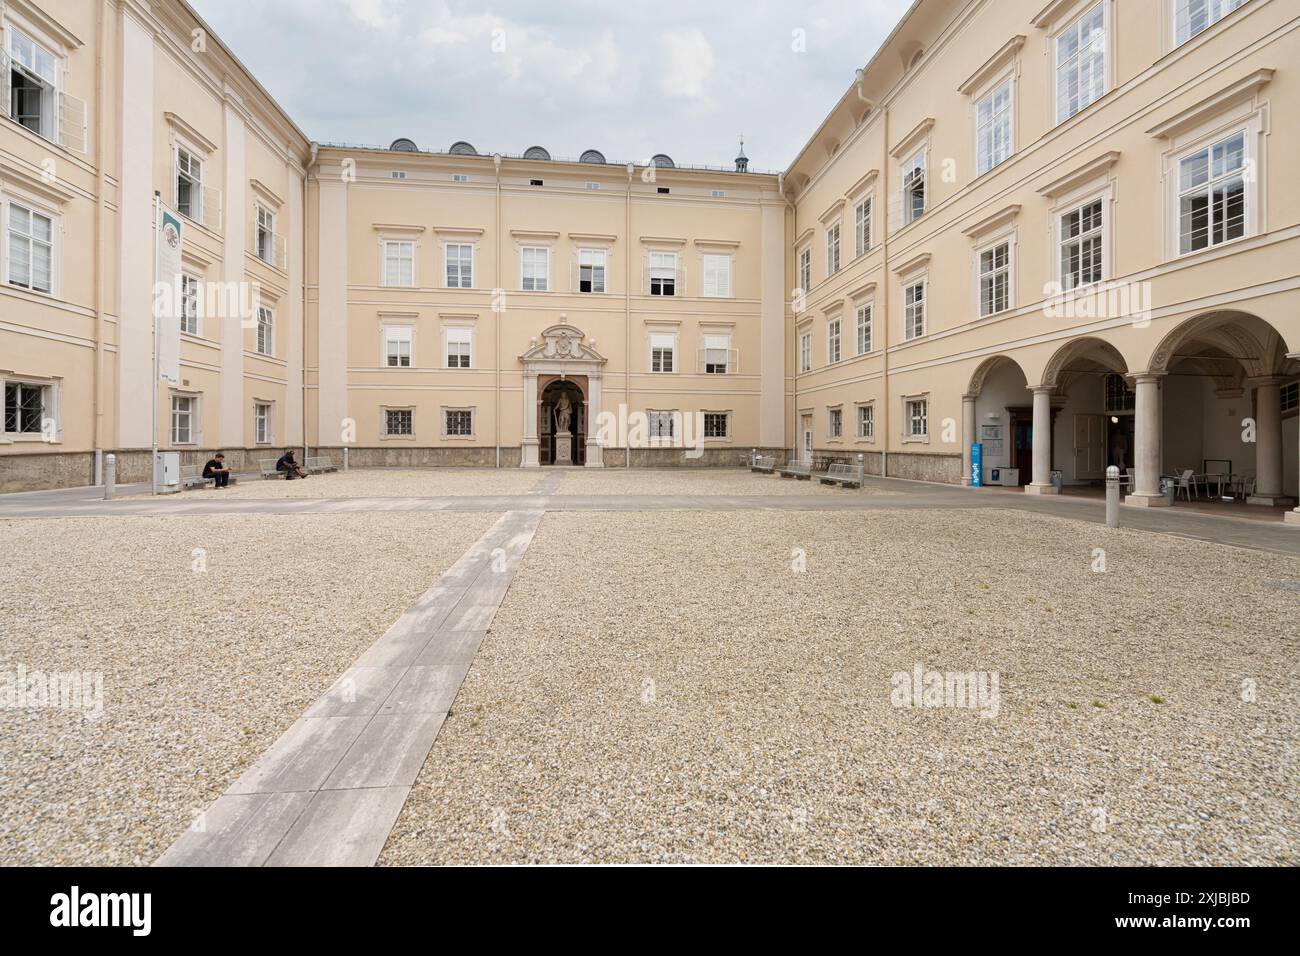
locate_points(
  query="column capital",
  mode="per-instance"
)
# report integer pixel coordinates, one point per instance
(1264, 381)
(1140, 377)
(1039, 389)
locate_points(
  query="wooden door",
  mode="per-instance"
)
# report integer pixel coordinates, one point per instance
(1089, 447)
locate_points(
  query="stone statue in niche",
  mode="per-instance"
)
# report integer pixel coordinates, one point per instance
(563, 414)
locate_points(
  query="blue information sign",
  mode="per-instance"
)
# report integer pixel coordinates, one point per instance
(976, 465)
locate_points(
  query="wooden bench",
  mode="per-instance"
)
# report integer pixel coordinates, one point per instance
(799, 470)
(320, 465)
(267, 467)
(838, 473)
(763, 463)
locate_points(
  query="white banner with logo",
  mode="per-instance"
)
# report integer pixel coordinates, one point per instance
(168, 304)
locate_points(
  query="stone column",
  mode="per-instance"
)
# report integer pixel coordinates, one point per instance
(594, 451)
(1042, 477)
(968, 435)
(1268, 445)
(528, 452)
(1146, 437)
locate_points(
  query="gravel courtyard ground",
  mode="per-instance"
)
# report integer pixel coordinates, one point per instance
(699, 481)
(665, 687)
(202, 671)
(385, 483)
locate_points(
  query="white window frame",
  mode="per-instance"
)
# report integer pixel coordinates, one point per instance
(264, 342)
(719, 264)
(52, 86)
(909, 418)
(656, 418)
(49, 393)
(652, 268)
(56, 225)
(195, 214)
(862, 226)
(988, 129)
(726, 425)
(865, 425)
(1245, 173)
(1100, 233)
(1006, 271)
(909, 310)
(835, 423)
(728, 366)
(444, 415)
(1216, 11)
(530, 257)
(602, 265)
(667, 340)
(193, 418)
(805, 268)
(399, 335)
(869, 310)
(190, 313)
(392, 254)
(917, 162)
(464, 272)
(833, 260)
(834, 339)
(1074, 21)
(263, 422)
(385, 411)
(458, 335)
(264, 233)
(805, 351)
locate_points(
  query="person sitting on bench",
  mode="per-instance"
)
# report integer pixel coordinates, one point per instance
(216, 470)
(287, 464)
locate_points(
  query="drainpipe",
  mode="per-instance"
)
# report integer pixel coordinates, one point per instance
(884, 296)
(794, 326)
(627, 309)
(97, 395)
(302, 336)
(496, 311)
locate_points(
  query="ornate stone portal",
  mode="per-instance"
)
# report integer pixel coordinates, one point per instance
(561, 351)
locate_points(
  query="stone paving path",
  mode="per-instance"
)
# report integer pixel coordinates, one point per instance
(328, 792)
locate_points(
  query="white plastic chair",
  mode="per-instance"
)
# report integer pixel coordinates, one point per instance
(1186, 483)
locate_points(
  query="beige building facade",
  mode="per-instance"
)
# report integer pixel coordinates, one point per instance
(1062, 231)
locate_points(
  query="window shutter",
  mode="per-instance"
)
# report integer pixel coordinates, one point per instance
(645, 271)
(211, 207)
(72, 121)
(6, 78)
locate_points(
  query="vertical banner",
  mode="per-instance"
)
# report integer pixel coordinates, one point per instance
(168, 297)
(977, 465)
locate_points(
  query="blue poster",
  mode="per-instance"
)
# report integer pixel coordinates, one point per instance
(976, 465)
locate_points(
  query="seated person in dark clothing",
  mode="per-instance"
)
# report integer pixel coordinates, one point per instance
(216, 470)
(289, 465)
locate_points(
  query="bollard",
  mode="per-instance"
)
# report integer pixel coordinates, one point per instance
(1112, 497)
(345, 459)
(110, 475)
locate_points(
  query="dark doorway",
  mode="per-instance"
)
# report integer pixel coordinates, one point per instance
(547, 425)
(1120, 441)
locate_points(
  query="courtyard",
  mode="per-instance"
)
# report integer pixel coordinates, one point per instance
(649, 666)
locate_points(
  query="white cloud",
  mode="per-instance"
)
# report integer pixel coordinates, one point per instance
(688, 65)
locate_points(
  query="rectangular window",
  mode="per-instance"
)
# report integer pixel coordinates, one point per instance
(1212, 194)
(189, 304)
(25, 408)
(914, 310)
(662, 424)
(805, 270)
(265, 331)
(458, 347)
(715, 424)
(835, 426)
(1081, 238)
(189, 185)
(1081, 63)
(399, 263)
(266, 235)
(917, 418)
(833, 341)
(536, 268)
(914, 187)
(995, 279)
(261, 423)
(864, 329)
(183, 409)
(867, 421)
(459, 422)
(993, 129)
(862, 227)
(663, 273)
(1193, 16)
(591, 270)
(397, 346)
(31, 249)
(33, 78)
(1290, 396)
(833, 249)
(663, 349)
(399, 421)
(717, 276)
(805, 352)
(717, 354)
(460, 266)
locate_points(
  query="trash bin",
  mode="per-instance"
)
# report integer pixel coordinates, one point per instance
(1058, 480)
(1170, 490)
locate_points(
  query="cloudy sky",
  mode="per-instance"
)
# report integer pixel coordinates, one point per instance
(682, 77)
